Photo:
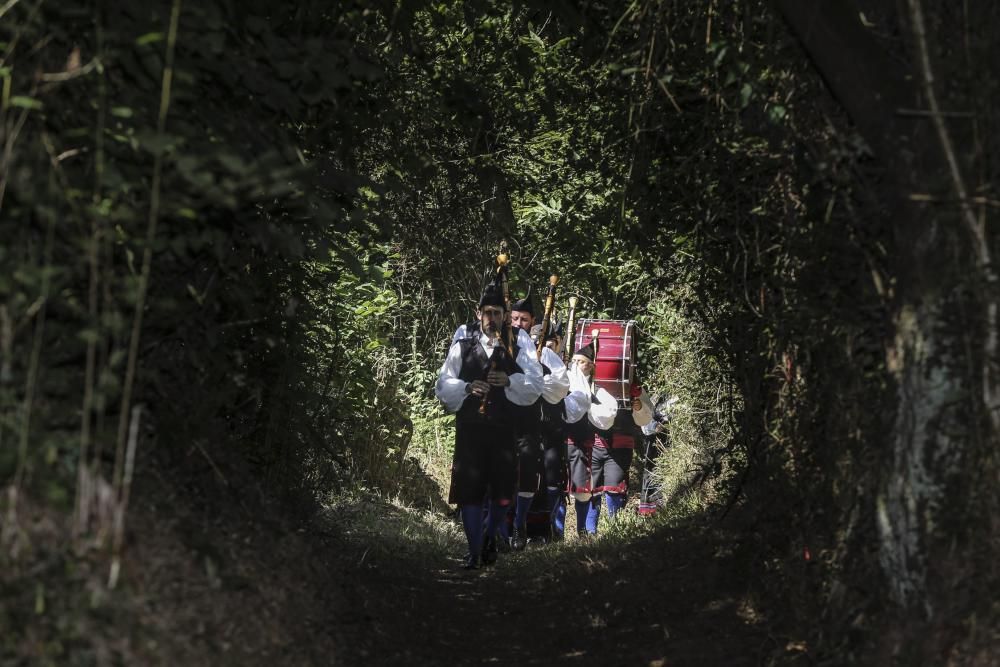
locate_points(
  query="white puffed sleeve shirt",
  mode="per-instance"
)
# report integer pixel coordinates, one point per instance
(556, 383)
(578, 399)
(644, 415)
(524, 388)
(602, 411)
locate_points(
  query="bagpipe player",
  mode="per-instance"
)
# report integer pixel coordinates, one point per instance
(482, 381)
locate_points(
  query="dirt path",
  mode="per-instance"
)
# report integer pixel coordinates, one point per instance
(675, 598)
(215, 579)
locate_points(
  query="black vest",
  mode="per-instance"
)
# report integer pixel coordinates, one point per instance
(475, 366)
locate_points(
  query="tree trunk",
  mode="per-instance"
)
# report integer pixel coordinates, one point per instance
(943, 409)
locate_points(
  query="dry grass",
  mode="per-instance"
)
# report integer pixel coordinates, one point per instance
(381, 528)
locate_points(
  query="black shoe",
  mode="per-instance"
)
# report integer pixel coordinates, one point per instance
(518, 541)
(470, 562)
(489, 551)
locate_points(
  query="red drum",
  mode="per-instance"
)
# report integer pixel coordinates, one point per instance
(615, 362)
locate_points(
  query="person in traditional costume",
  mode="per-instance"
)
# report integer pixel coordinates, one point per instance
(613, 451)
(601, 447)
(583, 420)
(485, 375)
(657, 439)
(529, 429)
(555, 455)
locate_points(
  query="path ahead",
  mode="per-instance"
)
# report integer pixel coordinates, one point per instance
(208, 581)
(676, 598)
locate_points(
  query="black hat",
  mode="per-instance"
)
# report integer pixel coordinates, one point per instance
(492, 296)
(524, 305)
(586, 351)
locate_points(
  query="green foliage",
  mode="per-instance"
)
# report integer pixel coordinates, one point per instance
(700, 462)
(318, 197)
(317, 247)
(256, 210)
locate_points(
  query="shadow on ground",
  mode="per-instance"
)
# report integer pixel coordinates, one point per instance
(678, 596)
(215, 575)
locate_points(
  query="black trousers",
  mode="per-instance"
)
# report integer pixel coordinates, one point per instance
(555, 458)
(529, 461)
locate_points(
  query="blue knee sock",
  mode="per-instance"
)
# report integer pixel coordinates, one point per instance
(593, 514)
(495, 527)
(498, 520)
(472, 523)
(557, 511)
(615, 502)
(582, 508)
(521, 511)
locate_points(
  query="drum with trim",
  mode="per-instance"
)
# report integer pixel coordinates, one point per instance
(616, 350)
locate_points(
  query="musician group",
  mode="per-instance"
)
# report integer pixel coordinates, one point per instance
(527, 423)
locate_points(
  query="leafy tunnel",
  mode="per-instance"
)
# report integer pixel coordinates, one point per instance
(236, 238)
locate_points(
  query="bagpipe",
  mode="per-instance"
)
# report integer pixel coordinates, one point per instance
(550, 303)
(502, 278)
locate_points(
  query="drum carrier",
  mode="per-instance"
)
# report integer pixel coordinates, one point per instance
(615, 359)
